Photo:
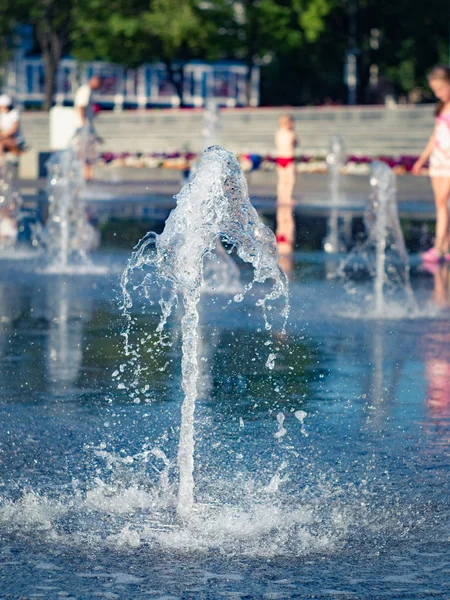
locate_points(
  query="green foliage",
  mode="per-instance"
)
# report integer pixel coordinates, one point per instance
(300, 44)
(404, 54)
(175, 31)
(52, 21)
(139, 31)
(111, 31)
(5, 31)
(312, 16)
(177, 26)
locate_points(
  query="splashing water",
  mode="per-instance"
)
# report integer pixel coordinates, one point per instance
(221, 274)
(213, 206)
(336, 159)
(67, 236)
(10, 205)
(211, 124)
(383, 254)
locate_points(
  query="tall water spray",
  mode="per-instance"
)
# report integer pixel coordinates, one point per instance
(67, 236)
(221, 272)
(383, 254)
(213, 206)
(336, 159)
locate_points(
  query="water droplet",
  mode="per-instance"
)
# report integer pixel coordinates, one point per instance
(270, 363)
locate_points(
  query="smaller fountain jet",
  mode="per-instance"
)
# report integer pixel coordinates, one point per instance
(10, 206)
(67, 237)
(336, 158)
(383, 254)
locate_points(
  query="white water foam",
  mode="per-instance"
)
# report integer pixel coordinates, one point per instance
(248, 517)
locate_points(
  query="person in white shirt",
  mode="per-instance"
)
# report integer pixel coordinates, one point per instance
(11, 138)
(85, 136)
(83, 101)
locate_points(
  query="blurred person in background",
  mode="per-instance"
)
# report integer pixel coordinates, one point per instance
(11, 139)
(285, 142)
(85, 138)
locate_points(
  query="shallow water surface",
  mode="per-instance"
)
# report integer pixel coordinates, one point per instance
(348, 501)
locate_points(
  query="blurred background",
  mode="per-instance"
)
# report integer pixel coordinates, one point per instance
(249, 52)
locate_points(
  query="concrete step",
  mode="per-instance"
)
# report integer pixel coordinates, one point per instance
(369, 130)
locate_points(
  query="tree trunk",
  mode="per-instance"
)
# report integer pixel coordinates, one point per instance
(252, 45)
(176, 78)
(53, 34)
(248, 83)
(50, 70)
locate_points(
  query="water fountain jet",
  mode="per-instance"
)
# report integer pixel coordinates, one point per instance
(383, 254)
(10, 205)
(67, 236)
(211, 126)
(213, 206)
(336, 159)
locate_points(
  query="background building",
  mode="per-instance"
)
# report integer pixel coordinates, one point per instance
(145, 86)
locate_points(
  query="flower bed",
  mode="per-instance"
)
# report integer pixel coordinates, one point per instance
(355, 165)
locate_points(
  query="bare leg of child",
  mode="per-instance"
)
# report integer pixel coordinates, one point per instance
(441, 285)
(290, 182)
(441, 189)
(286, 182)
(88, 172)
(285, 224)
(285, 209)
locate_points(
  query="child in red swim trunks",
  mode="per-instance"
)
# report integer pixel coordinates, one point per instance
(284, 162)
(285, 141)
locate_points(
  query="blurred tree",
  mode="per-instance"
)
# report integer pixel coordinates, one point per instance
(176, 31)
(394, 46)
(180, 33)
(299, 44)
(135, 32)
(5, 31)
(111, 31)
(404, 53)
(312, 72)
(52, 20)
(264, 30)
